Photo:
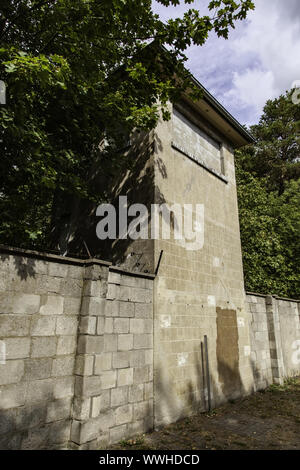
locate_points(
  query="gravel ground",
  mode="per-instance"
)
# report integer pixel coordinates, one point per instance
(265, 420)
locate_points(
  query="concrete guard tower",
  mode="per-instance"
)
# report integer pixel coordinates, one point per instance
(199, 289)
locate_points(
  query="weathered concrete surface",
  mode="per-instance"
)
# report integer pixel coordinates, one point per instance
(228, 353)
(196, 288)
(76, 343)
(275, 339)
(114, 366)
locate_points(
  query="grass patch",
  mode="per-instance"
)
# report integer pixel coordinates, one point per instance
(137, 441)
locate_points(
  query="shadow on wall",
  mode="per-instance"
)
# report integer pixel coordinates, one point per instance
(75, 220)
(194, 395)
(137, 184)
(25, 267)
(261, 381)
(26, 428)
(195, 399)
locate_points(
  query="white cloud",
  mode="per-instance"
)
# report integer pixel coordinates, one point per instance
(259, 61)
(249, 92)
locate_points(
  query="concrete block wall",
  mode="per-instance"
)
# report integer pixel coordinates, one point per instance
(114, 364)
(76, 351)
(260, 346)
(76, 364)
(39, 310)
(288, 313)
(275, 338)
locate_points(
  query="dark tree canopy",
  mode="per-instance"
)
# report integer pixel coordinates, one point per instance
(78, 71)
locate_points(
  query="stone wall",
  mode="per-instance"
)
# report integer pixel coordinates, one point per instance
(114, 364)
(39, 304)
(76, 352)
(275, 339)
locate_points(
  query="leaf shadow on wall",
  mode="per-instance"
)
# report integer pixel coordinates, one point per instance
(24, 267)
(25, 428)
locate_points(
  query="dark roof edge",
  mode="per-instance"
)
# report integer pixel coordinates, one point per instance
(224, 113)
(218, 107)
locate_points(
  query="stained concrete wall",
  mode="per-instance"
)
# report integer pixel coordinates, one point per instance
(275, 339)
(76, 352)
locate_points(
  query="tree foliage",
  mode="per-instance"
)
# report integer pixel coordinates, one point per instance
(269, 201)
(277, 153)
(78, 71)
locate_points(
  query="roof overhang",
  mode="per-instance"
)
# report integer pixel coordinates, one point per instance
(213, 112)
(217, 115)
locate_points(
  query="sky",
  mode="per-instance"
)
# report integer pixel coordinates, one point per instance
(259, 61)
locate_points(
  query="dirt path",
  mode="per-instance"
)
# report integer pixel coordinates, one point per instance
(265, 420)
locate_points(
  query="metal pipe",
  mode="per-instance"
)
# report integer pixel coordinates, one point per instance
(203, 373)
(207, 373)
(158, 264)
